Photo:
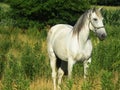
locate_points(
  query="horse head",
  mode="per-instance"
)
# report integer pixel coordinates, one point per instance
(96, 23)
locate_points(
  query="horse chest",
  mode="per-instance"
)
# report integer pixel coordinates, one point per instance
(81, 56)
(82, 53)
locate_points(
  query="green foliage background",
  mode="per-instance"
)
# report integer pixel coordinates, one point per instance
(47, 11)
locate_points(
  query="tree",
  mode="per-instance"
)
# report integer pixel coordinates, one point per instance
(49, 11)
(109, 2)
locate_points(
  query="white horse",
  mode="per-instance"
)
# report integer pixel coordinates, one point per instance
(72, 43)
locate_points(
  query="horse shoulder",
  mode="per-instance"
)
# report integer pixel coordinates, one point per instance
(88, 49)
(77, 52)
(73, 47)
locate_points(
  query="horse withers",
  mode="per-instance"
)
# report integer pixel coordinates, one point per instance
(72, 43)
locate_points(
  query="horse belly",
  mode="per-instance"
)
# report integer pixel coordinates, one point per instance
(62, 56)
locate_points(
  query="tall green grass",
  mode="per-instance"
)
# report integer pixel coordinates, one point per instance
(14, 77)
(112, 17)
(23, 57)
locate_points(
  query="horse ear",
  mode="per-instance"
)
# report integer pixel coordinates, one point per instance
(100, 9)
(94, 9)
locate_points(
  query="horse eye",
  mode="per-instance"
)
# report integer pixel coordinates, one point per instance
(95, 19)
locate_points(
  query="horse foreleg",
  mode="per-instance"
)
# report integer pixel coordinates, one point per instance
(86, 66)
(70, 67)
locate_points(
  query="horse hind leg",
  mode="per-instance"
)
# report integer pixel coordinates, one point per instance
(53, 67)
(60, 75)
(62, 70)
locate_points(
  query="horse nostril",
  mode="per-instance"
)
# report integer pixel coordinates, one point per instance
(103, 36)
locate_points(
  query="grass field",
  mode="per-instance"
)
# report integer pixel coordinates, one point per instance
(28, 50)
(24, 63)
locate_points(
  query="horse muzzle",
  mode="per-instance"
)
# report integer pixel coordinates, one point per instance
(101, 34)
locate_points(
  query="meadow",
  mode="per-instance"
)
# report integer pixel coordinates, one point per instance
(24, 63)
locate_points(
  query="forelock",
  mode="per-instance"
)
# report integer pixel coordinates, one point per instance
(98, 13)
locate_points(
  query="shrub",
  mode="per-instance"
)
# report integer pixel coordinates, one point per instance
(5, 15)
(48, 11)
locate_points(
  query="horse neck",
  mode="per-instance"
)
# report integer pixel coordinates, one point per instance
(84, 33)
